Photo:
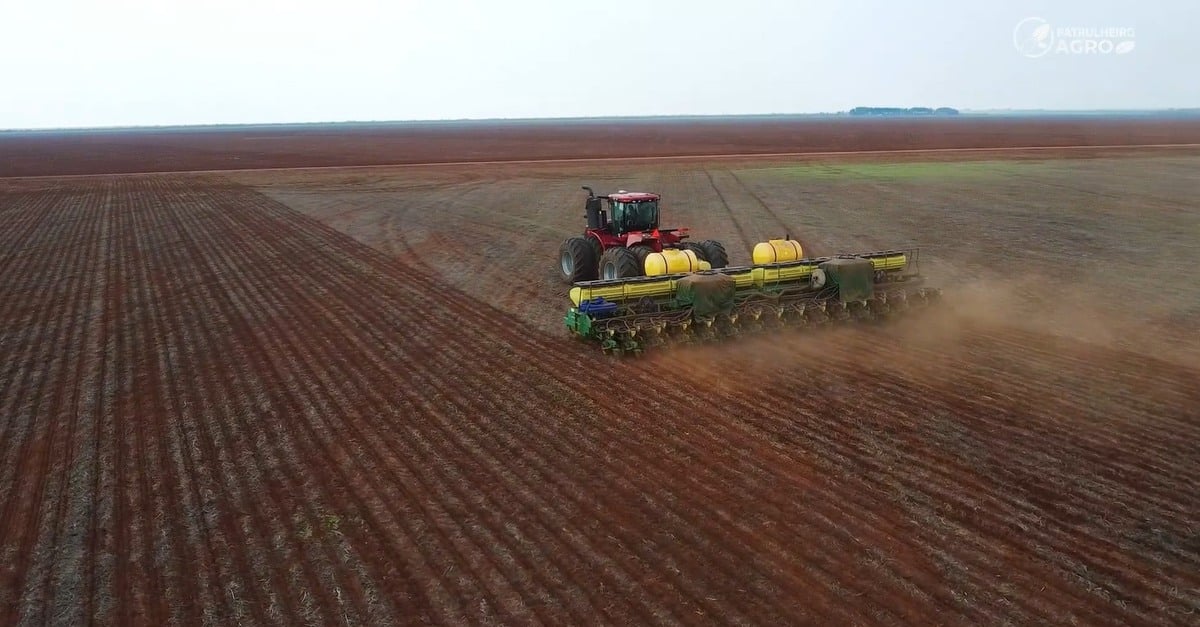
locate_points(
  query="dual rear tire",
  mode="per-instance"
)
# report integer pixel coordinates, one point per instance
(622, 263)
(709, 250)
(580, 259)
(577, 258)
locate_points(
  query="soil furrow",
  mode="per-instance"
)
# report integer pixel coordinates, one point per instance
(928, 460)
(151, 487)
(33, 487)
(271, 357)
(381, 339)
(219, 406)
(100, 554)
(227, 318)
(24, 330)
(64, 585)
(352, 372)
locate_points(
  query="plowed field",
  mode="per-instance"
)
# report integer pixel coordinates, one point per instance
(345, 398)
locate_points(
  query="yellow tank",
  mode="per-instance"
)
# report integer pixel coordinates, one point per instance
(774, 276)
(776, 251)
(890, 262)
(621, 291)
(671, 261)
(744, 277)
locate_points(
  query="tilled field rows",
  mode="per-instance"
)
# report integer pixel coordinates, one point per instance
(216, 409)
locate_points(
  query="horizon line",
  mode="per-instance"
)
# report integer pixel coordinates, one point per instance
(989, 111)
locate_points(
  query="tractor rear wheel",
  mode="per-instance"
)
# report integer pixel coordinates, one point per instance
(714, 253)
(597, 250)
(695, 248)
(577, 260)
(619, 263)
(642, 252)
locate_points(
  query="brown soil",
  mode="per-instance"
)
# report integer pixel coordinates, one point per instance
(117, 151)
(345, 397)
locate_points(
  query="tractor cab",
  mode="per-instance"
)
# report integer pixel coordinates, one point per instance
(633, 212)
(626, 212)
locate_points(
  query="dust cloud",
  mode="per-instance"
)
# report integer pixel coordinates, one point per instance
(981, 320)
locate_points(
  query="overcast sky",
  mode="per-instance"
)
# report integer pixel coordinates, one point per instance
(146, 62)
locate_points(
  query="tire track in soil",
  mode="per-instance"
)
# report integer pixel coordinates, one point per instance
(737, 225)
(789, 230)
(759, 221)
(508, 248)
(23, 510)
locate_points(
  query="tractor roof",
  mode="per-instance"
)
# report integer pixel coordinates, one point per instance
(632, 196)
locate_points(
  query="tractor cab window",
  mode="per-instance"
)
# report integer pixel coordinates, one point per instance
(635, 216)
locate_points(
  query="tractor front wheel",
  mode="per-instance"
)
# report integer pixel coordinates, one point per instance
(577, 260)
(619, 263)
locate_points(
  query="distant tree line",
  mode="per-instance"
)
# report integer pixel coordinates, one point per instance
(903, 111)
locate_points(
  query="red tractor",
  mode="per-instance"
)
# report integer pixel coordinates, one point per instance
(620, 236)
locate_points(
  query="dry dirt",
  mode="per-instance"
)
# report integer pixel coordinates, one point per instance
(345, 397)
(34, 153)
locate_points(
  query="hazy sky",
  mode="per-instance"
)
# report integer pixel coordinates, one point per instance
(130, 62)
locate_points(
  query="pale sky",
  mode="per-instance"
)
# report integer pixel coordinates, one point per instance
(148, 62)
